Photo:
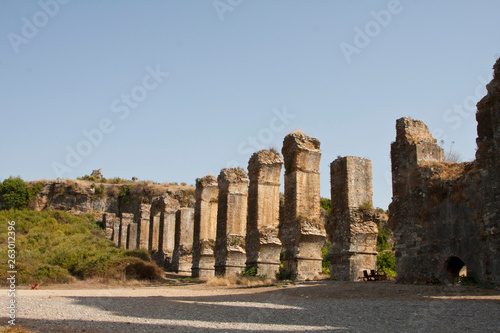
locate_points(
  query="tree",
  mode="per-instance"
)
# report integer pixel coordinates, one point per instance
(16, 194)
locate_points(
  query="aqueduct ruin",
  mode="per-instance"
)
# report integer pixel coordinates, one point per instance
(444, 215)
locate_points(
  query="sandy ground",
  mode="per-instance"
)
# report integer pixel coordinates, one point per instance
(319, 306)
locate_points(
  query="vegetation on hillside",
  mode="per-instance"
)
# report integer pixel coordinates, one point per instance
(56, 247)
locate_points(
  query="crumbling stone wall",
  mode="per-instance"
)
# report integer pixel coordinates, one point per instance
(446, 215)
(352, 223)
(205, 227)
(262, 243)
(183, 248)
(302, 233)
(230, 254)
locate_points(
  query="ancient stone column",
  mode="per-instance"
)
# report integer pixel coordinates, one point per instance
(108, 221)
(132, 236)
(143, 220)
(183, 248)
(231, 221)
(205, 227)
(116, 231)
(302, 233)
(163, 210)
(353, 230)
(154, 231)
(262, 243)
(125, 220)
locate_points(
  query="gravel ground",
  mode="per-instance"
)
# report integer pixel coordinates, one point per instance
(320, 306)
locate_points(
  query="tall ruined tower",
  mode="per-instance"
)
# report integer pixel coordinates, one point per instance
(353, 230)
(205, 227)
(302, 233)
(230, 255)
(262, 243)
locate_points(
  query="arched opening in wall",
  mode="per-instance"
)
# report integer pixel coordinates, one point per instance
(455, 267)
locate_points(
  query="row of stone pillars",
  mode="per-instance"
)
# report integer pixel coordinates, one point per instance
(162, 228)
(237, 216)
(236, 222)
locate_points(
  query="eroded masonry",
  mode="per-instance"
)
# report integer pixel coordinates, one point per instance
(445, 216)
(352, 222)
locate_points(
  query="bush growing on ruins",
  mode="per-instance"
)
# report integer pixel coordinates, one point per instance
(99, 191)
(249, 272)
(16, 194)
(274, 150)
(124, 194)
(56, 247)
(366, 206)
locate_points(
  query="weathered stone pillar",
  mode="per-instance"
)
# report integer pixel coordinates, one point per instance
(125, 220)
(108, 221)
(205, 227)
(132, 236)
(231, 221)
(262, 243)
(163, 209)
(154, 230)
(116, 231)
(353, 230)
(183, 248)
(302, 233)
(143, 220)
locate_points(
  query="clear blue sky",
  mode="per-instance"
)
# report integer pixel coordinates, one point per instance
(225, 70)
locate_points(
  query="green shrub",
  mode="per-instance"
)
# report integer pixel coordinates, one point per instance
(325, 253)
(249, 272)
(100, 191)
(124, 194)
(387, 263)
(16, 194)
(326, 204)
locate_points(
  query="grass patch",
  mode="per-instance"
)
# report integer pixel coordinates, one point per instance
(56, 247)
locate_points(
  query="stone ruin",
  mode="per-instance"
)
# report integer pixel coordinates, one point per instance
(205, 227)
(352, 225)
(230, 255)
(97, 174)
(302, 232)
(263, 246)
(445, 216)
(183, 248)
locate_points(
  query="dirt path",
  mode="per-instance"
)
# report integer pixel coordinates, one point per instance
(322, 306)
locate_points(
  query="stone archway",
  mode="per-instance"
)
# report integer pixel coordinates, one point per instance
(454, 268)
